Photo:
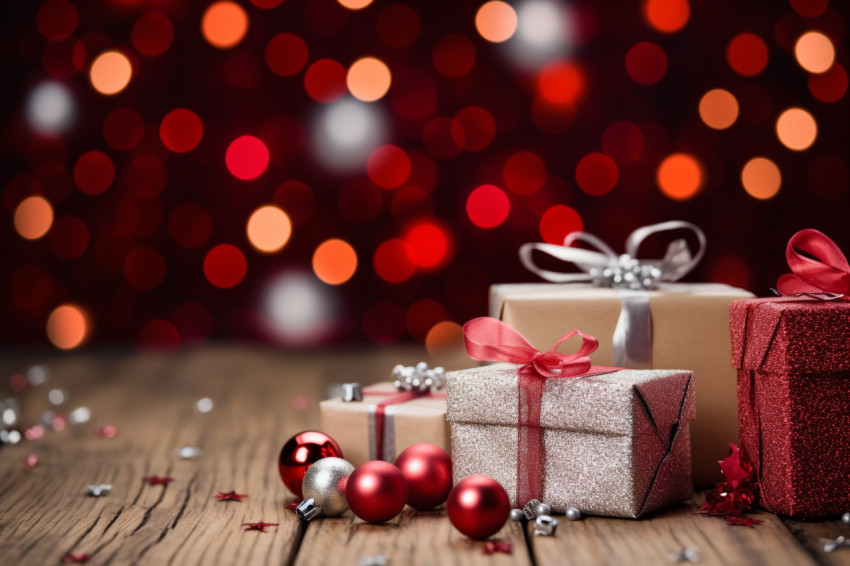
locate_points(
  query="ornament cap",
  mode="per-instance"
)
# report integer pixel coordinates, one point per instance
(307, 510)
(545, 525)
(352, 392)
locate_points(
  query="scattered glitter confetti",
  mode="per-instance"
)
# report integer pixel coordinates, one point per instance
(831, 545)
(106, 431)
(31, 461)
(230, 496)
(190, 452)
(261, 526)
(204, 405)
(690, 554)
(80, 558)
(100, 489)
(157, 480)
(494, 546)
(735, 495)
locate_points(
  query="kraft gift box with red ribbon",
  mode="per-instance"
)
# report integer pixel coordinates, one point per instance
(643, 318)
(549, 426)
(385, 422)
(793, 359)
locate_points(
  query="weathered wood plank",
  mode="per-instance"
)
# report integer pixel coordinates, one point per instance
(814, 534)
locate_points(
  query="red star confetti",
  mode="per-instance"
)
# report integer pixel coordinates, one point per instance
(31, 461)
(106, 431)
(494, 546)
(746, 521)
(80, 558)
(261, 526)
(156, 480)
(230, 496)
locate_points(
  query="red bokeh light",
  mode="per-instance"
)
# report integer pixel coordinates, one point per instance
(439, 138)
(557, 222)
(809, 9)
(597, 174)
(829, 177)
(286, 54)
(646, 63)
(430, 242)
(413, 94)
(398, 26)
(190, 225)
(421, 316)
(181, 130)
(454, 55)
(146, 177)
(829, 86)
(360, 200)
(225, 266)
(473, 128)
(31, 288)
(487, 206)
(667, 16)
(68, 237)
(732, 271)
(160, 334)
(56, 19)
(388, 166)
(325, 81)
(144, 268)
(524, 172)
(394, 260)
(383, 323)
(266, 4)
(552, 118)
(747, 54)
(94, 172)
(123, 129)
(193, 321)
(152, 34)
(561, 83)
(247, 157)
(296, 199)
(623, 141)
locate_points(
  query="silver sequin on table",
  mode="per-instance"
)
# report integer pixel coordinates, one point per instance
(690, 554)
(100, 489)
(831, 545)
(190, 452)
(377, 560)
(596, 434)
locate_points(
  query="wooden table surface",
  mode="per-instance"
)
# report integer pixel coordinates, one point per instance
(262, 397)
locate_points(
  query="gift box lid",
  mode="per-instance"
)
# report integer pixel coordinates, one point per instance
(598, 404)
(790, 334)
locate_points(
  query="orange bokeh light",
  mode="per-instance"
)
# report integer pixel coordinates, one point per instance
(269, 229)
(368, 79)
(796, 129)
(679, 176)
(667, 16)
(354, 4)
(718, 108)
(111, 72)
(443, 336)
(67, 326)
(224, 24)
(33, 217)
(334, 261)
(496, 21)
(814, 52)
(761, 178)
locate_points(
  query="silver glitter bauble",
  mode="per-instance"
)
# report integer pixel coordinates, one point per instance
(542, 509)
(845, 518)
(325, 483)
(517, 515)
(573, 514)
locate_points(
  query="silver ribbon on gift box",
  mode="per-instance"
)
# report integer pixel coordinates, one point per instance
(631, 275)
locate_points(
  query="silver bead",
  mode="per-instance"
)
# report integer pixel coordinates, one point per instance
(325, 483)
(545, 525)
(352, 392)
(573, 514)
(377, 560)
(307, 510)
(542, 509)
(529, 509)
(517, 515)
(845, 518)
(98, 490)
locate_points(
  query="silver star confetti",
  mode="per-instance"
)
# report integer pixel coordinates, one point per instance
(377, 560)
(831, 545)
(204, 405)
(190, 452)
(690, 554)
(98, 490)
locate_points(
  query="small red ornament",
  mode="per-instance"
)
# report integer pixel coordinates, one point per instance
(478, 507)
(428, 471)
(300, 452)
(376, 491)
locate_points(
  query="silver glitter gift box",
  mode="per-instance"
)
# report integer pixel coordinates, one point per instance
(615, 444)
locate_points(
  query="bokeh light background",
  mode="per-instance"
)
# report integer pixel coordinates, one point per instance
(308, 172)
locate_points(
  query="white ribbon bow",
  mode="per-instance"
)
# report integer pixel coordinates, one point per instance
(604, 268)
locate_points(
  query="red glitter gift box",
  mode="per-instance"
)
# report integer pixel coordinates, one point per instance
(793, 360)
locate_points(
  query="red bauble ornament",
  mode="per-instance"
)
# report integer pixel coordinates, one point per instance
(376, 491)
(428, 471)
(300, 452)
(478, 507)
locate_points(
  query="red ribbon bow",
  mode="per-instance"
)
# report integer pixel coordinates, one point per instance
(489, 339)
(826, 271)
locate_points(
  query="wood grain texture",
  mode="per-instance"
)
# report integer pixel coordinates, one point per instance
(262, 397)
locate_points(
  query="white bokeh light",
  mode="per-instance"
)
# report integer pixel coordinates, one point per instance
(543, 32)
(346, 133)
(299, 308)
(50, 108)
